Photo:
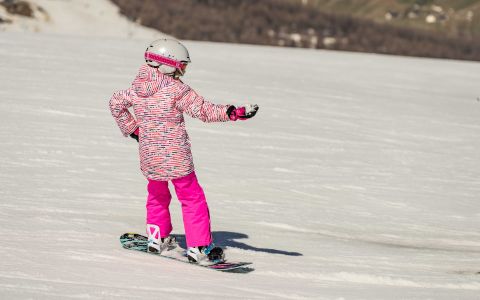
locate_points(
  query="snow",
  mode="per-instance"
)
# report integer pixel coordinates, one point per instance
(99, 18)
(357, 179)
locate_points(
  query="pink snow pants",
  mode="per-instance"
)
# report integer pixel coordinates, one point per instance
(196, 217)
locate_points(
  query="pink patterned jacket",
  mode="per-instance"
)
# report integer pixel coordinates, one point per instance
(159, 102)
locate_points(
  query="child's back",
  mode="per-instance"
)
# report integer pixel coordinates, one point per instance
(159, 102)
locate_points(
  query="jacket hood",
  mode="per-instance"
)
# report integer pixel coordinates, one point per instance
(149, 80)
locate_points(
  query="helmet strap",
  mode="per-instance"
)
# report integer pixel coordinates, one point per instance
(177, 74)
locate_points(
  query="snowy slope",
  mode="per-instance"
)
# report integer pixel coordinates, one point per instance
(358, 179)
(99, 18)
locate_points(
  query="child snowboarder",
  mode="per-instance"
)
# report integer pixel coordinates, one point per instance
(159, 99)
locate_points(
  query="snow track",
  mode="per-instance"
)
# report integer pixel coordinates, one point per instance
(358, 178)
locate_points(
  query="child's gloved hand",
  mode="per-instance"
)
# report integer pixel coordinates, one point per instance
(134, 135)
(243, 112)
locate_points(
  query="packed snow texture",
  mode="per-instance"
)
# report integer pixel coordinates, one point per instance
(357, 179)
(99, 18)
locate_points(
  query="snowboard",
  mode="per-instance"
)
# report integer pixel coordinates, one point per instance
(138, 242)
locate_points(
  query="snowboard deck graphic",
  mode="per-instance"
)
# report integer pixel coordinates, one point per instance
(138, 242)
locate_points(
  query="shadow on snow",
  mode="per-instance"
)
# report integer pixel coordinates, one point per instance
(228, 239)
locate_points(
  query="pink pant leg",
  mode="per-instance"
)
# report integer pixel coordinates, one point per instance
(196, 217)
(158, 201)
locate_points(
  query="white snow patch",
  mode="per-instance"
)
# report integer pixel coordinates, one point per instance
(64, 113)
(99, 18)
(372, 279)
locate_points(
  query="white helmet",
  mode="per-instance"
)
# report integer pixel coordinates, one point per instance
(168, 56)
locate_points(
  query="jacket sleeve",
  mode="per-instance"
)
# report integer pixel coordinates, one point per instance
(119, 104)
(194, 105)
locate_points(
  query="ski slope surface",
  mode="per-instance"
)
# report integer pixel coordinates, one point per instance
(359, 178)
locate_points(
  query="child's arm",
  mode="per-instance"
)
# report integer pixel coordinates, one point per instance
(119, 104)
(196, 106)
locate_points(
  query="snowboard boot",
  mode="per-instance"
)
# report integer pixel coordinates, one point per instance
(157, 244)
(169, 243)
(206, 255)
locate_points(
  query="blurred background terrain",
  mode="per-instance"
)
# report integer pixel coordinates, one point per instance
(443, 29)
(425, 28)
